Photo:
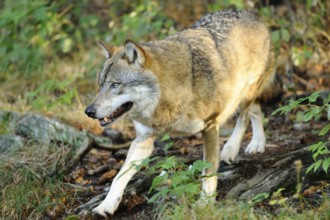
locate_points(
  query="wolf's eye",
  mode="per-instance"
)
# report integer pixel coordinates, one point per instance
(114, 85)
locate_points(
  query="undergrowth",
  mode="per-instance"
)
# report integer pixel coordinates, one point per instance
(239, 210)
(27, 190)
(176, 195)
(312, 108)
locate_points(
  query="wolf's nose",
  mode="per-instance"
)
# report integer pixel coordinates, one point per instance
(90, 111)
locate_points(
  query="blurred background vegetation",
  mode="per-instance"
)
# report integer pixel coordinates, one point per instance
(49, 56)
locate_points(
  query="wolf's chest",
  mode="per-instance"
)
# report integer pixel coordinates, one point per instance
(187, 126)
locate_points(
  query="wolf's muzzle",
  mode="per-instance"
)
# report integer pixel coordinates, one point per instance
(90, 111)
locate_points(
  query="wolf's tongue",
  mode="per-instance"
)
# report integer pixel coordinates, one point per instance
(121, 110)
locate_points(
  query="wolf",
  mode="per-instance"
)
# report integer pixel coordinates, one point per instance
(190, 82)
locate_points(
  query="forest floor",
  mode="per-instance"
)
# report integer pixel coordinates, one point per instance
(98, 168)
(62, 197)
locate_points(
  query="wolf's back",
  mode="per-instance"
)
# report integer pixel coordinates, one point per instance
(223, 21)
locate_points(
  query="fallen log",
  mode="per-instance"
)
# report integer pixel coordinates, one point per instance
(267, 174)
(89, 143)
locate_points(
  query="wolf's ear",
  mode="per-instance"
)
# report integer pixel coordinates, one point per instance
(134, 53)
(108, 49)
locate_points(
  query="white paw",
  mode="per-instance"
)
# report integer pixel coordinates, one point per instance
(256, 146)
(107, 207)
(229, 152)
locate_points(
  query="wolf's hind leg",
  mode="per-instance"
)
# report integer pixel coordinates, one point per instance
(258, 142)
(231, 148)
(211, 150)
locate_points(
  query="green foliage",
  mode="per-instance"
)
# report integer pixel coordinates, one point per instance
(261, 197)
(51, 93)
(146, 21)
(210, 211)
(300, 30)
(168, 142)
(311, 112)
(176, 180)
(277, 198)
(27, 190)
(25, 195)
(319, 149)
(308, 114)
(222, 4)
(35, 32)
(6, 119)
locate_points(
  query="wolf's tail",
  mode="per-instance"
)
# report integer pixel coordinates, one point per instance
(273, 93)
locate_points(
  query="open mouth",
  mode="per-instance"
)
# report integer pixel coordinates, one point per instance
(118, 112)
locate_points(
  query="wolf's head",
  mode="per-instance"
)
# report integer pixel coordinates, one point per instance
(127, 86)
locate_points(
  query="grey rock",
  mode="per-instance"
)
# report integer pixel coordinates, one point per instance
(100, 140)
(299, 126)
(45, 130)
(10, 142)
(114, 135)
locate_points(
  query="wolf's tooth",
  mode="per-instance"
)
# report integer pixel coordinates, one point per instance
(106, 119)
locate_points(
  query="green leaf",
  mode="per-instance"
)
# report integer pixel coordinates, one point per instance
(266, 11)
(273, 202)
(324, 130)
(310, 168)
(313, 97)
(294, 104)
(198, 166)
(168, 146)
(301, 100)
(165, 137)
(308, 116)
(309, 4)
(327, 100)
(282, 110)
(317, 165)
(161, 193)
(158, 181)
(314, 147)
(285, 35)
(278, 192)
(179, 179)
(167, 163)
(260, 197)
(275, 36)
(189, 189)
(326, 164)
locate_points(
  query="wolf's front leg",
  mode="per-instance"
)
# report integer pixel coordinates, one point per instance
(140, 149)
(211, 151)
